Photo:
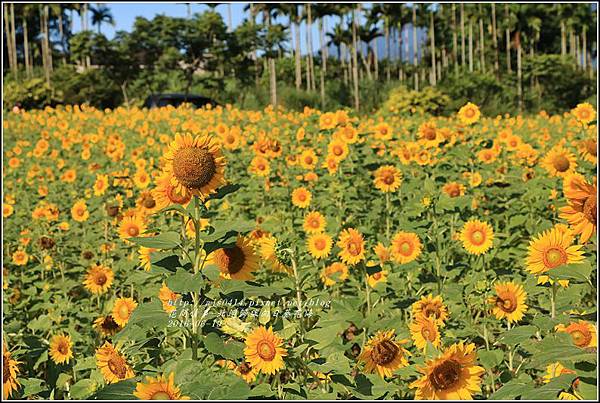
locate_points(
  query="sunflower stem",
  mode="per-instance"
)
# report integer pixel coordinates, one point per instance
(387, 216)
(298, 291)
(553, 301)
(367, 291)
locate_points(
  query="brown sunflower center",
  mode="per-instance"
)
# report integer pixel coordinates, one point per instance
(445, 375)
(581, 337)
(5, 369)
(149, 202)
(63, 348)
(388, 178)
(117, 366)
(554, 257)
(384, 352)
(230, 139)
(469, 113)
(338, 150)
(161, 395)
(591, 147)
(477, 237)
(231, 259)
(506, 302)
(430, 311)
(429, 133)
(428, 333)
(405, 248)
(194, 167)
(561, 163)
(320, 244)
(133, 230)
(377, 275)
(266, 350)
(589, 208)
(245, 368)
(109, 325)
(354, 248)
(101, 279)
(314, 223)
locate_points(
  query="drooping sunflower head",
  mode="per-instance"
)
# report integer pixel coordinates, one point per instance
(384, 253)
(477, 237)
(246, 371)
(376, 278)
(582, 333)
(425, 329)
(106, 326)
(314, 222)
(112, 364)
(159, 388)
(352, 246)
(551, 249)
(122, 310)
(301, 197)
(195, 165)
(319, 245)
(383, 354)
(168, 298)
(267, 249)
(554, 370)
(509, 301)
(334, 273)
(387, 178)
(145, 257)
(10, 369)
(99, 278)
(588, 149)
(469, 114)
(451, 376)
(559, 161)
(60, 349)
(431, 306)
(582, 205)
(237, 262)
(264, 350)
(405, 247)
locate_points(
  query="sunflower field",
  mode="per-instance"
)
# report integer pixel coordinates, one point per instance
(180, 253)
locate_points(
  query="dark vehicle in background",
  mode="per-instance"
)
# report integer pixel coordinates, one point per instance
(159, 100)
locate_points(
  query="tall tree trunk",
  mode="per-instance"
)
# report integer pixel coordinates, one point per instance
(462, 35)
(454, 39)
(386, 29)
(13, 37)
(376, 60)
(7, 34)
(433, 62)
(470, 45)
(297, 50)
(414, 41)
(481, 46)
(519, 71)
(563, 39)
(344, 50)
(355, 61)
(323, 62)
(254, 51)
(584, 47)
(311, 58)
(495, 39)
(229, 21)
(507, 33)
(28, 69)
(577, 52)
(271, 66)
(47, 37)
(62, 36)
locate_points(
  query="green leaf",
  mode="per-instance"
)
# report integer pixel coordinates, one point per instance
(82, 389)
(490, 359)
(166, 240)
(234, 388)
(518, 335)
(558, 347)
(261, 390)
(32, 386)
(589, 391)
(146, 316)
(116, 391)
(230, 349)
(224, 191)
(511, 390)
(85, 363)
(62, 380)
(550, 390)
(182, 281)
(575, 272)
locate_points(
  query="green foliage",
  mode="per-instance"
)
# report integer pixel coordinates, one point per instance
(30, 94)
(403, 101)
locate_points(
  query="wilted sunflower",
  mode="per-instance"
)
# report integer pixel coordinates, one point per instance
(509, 301)
(383, 354)
(469, 114)
(106, 326)
(352, 246)
(237, 262)
(387, 178)
(98, 279)
(301, 197)
(79, 211)
(60, 349)
(454, 189)
(425, 329)
(584, 112)
(451, 376)
(319, 245)
(10, 369)
(559, 161)
(195, 165)
(112, 364)
(314, 223)
(264, 350)
(582, 333)
(246, 371)
(122, 310)
(132, 226)
(405, 247)
(168, 298)
(334, 273)
(431, 306)
(165, 193)
(551, 249)
(477, 237)
(159, 388)
(582, 204)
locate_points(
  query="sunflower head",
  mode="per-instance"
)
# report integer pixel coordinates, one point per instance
(383, 354)
(319, 245)
(60, 349)
(582, 333)
(264, 350)
(431, 306)
(352, 246)
(160, 388)
(551, 249)
(236, 262)
(509, 301)
(112, 364)
(406, 247)
(477, 237)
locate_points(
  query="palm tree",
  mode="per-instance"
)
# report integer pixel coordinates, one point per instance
(322, 10)
(100, 14)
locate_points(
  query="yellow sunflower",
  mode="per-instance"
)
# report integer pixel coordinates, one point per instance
(477, 237)
(425, 329)
(10, 369)
(319, 245)
(165, 193)
(453, 375)
(352, 246)
(79, 211)
(582, 204)
(264, 350)
(112, 364)
(454, 189)
(237, 262)
(509, 301)
(551, 249)
(469, 114)
(559, 161)
(383, 131)
(584, 112)
(383, 354)
(132, 226)
(145, 257)
(334, 273)
(431, 306)
(100, 185)
(301, 197)
(337, 149)
(168, 298)
(98, 279)
(384, 253)
(348, 133)
(60, 349)
(327, 121)
(582, 333)
(405, 247)
(122, 310)
(159, 388)
(429, 136)
(314, 223)
(377, 278)
(308, 159)
(106, 326)
(555, 370)
(259, 166)
(387, 178)
(20, 257)
(266, 247)
(588, 149)
(195, 165)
